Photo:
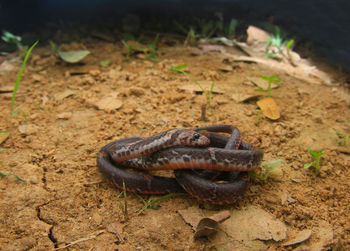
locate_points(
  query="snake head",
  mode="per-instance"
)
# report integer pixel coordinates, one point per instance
(192, 138)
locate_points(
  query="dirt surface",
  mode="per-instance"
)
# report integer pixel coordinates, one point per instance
(67, 202)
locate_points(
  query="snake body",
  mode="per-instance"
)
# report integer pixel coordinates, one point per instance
(183, 149)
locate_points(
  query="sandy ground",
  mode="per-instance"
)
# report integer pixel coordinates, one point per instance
(66, 201)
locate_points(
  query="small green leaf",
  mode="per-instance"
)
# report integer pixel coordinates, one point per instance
(289, 44)
(73, 56)
(15, 113)
(105, 63)
(14, 175)
(178, 68)
(272, 164)
(307, 165)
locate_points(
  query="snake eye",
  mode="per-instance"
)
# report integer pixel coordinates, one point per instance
(196, 136)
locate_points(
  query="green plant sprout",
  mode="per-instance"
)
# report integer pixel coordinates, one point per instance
(123, 206)
(14, 111)
(277, 41)
(269, 166)
(149, 49)
(207, 28)
(343, 138)
(266, 173)
(316, 162)
(11, 174)
(68, 56)
(270, 79)
(10, 38)
(105, 63)
(259, 113)
(208, 94)
(153, 203)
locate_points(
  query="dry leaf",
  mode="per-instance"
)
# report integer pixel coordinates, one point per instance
(206, 227)
(221, 216)
(109, 103)
(245, 97)
(62, 95)
(299, 238)
(262, 83)
(304, 72)
(269, 108)
(247, 229)
(4, 136)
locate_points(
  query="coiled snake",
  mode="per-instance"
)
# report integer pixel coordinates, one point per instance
(187, 152)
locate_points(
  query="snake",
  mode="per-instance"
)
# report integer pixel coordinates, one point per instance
(187, 152)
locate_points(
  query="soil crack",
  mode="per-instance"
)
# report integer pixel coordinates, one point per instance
(50, 234)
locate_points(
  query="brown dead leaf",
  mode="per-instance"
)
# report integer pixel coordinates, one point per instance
(304, 72)
(247, 229)
(221, 216)
(210, 225)
(109, 103)
(269, 108)
(245, 97)
(193, 215)
(254, 224)
(4, 136)
(206, 227)
(62, 95)
(261, 83)
(299, 238)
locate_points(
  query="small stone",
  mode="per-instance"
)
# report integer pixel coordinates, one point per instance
(64, 115)
(27, 129)
(97, 218)
(34, 180)
(138, 92)
(94, 73)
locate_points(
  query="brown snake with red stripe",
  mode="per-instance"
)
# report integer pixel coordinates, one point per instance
(201, 148)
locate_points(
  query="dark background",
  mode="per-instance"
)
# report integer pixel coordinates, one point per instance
(324, 24)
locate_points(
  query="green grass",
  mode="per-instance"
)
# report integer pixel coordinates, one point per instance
(196, 28)
(153, 202)
(10, 38)
(123, 206)
(14, 111)
(278, 42)
(343, 138)
(11, 174)
(270, 79)
(315, 164)
(268, 167)
(209, 93)
(149, 49)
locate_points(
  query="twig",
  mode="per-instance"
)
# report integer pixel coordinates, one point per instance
(82, 239)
